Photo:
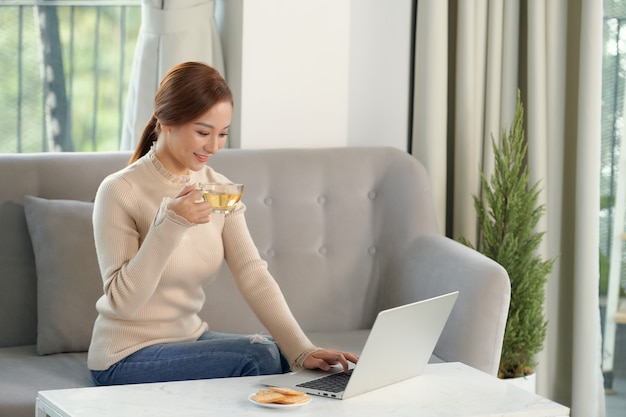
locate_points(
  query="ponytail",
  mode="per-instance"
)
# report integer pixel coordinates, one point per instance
(148, 136)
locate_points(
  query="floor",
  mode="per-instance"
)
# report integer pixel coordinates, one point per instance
(616, 396)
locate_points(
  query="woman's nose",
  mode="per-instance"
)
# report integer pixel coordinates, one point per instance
(212, 145)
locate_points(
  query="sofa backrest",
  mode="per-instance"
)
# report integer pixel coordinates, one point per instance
(328, 221)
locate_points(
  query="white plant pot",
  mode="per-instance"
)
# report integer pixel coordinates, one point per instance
(528, 383)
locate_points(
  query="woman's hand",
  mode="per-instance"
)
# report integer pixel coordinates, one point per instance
(325, 358)
(189, 205)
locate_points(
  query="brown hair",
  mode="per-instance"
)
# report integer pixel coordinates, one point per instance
(186, 91)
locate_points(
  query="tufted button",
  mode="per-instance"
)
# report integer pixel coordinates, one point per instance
(371, 250)
(322, 250)
(371, 195)
(271, 252)
(321, 200)
(268, 201)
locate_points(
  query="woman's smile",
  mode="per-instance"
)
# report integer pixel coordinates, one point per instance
(201, 157)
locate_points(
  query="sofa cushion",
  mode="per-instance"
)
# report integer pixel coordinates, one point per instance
(68, 277)
(24, 374)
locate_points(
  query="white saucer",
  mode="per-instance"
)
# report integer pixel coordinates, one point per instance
(274, 405)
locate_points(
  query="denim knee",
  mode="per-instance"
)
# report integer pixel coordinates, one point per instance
(266, 356)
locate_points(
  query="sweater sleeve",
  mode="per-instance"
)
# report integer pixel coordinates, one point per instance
(131, 268)
(261, 291)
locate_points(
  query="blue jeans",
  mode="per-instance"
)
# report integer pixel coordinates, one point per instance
(213, 355)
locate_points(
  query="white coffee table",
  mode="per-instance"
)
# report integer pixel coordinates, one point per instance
(444, 390)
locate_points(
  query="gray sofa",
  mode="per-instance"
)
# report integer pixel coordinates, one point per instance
(346, 231)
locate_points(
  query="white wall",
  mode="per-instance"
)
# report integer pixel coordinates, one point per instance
(317, 73)
(380, 62)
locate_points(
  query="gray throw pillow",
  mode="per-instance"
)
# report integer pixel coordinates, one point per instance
(68, 276)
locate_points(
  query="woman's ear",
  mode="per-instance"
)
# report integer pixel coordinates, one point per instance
(160, 127)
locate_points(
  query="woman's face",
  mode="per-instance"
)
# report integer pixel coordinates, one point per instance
(189, 146)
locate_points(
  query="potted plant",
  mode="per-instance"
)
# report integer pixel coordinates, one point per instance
(508, 214)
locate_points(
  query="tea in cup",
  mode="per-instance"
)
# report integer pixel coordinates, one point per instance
(222, 198)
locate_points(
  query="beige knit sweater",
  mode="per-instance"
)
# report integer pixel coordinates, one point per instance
(154, 263)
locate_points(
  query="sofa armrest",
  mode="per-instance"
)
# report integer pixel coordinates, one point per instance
(434, 265)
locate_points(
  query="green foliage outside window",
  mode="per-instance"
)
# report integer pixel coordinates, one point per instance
(94, 47)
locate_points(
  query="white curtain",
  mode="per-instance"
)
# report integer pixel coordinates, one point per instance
(471, 57)
(171, 32)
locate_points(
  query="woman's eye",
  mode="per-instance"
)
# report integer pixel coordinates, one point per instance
(204, 133)
(223, 135)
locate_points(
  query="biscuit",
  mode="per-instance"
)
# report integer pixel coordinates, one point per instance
(266, 396)
(292, 399)
(287, 391)
(278, 395)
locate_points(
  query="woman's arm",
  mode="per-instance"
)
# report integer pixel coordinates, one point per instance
(267, 301)
(131, 264)
(259, 288)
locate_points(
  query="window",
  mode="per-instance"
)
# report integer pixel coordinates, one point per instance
(613, 181)
(66, 66)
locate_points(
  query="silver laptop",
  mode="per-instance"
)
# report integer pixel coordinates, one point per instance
(398, 347)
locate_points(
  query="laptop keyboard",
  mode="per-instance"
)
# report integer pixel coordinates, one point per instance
(332, 383)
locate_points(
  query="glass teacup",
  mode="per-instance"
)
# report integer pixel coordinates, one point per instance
(222, 198)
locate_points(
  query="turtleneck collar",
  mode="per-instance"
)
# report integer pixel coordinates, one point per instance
(163, 172)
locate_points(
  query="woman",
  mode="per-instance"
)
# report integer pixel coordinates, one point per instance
(158, 243)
